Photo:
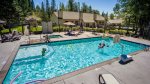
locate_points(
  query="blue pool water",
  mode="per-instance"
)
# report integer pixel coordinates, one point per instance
(63, 57)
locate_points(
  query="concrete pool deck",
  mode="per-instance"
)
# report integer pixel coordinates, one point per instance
(136, 71)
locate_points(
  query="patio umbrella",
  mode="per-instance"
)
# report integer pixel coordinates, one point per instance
(69, 24)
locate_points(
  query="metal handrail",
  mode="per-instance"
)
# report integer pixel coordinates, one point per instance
(15, 77)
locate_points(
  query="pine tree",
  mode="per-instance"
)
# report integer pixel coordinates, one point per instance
(111, 16)
(32, 5)
(78, 5)
(103, 14)
(37, 8)
(62, 7)
(90, 9)
(106, 16)
(84, 7)
(38, 11)
(44, 14)
(75, 8)
(53, 6)
(48, 8)
(70, 5)
(25, 6)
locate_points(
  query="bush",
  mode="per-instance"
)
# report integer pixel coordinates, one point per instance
(100, 30)
(116, 31)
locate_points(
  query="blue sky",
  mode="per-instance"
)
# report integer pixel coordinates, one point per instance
(101, 5)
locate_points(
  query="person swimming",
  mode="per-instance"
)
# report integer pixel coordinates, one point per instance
(102, 45)
(43, 51)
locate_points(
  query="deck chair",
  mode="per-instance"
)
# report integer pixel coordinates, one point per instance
(125, 58)
(5, 38)
(15, 35)
(107, 79)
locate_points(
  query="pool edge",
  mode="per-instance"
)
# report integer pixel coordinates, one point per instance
(6, 67)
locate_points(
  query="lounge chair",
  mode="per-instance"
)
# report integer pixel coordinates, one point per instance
(107, 79)
(125, 58)
(10, 37)
(15, 35)
(77, 33)
(6, 38)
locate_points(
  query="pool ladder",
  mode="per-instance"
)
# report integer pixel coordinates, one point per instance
(11, 82)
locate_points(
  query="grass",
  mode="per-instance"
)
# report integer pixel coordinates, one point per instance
(19, 29)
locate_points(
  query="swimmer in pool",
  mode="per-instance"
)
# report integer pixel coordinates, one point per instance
(101, 45)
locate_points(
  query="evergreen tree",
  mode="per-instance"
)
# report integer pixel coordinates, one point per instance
(78, 5)
(25, 6)
(10, 11)
(75, 8)
(139, 14)
(32, 5)
(53, 6)
(42, 8)
(116, 10)
(90, 9)
(44, 14)
(103, 14)
(84, 8)
(38, 9)
(62, 7)
(70, 5)
(96, 12)
(48, 8)
(106, 16)
(111, 16)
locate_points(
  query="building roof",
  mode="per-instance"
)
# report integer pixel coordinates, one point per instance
(116, 21)
(88, 18)
(99, 17)
(69, 15)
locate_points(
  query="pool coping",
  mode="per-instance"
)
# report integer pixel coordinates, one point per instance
(6, 67)
(80, 39)
(8, 64)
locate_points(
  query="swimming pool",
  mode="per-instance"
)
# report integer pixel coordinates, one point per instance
(63, 57)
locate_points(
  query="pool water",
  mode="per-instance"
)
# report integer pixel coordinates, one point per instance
(63, 57)
(55, 36)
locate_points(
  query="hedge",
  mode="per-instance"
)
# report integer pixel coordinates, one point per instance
(63, 28)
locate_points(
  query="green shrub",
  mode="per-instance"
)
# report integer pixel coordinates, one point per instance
(116, 31)
(100, 30)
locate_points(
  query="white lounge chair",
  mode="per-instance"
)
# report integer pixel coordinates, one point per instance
(107, 79)
(125, 58)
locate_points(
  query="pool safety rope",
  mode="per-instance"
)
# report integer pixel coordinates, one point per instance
(15, 77)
